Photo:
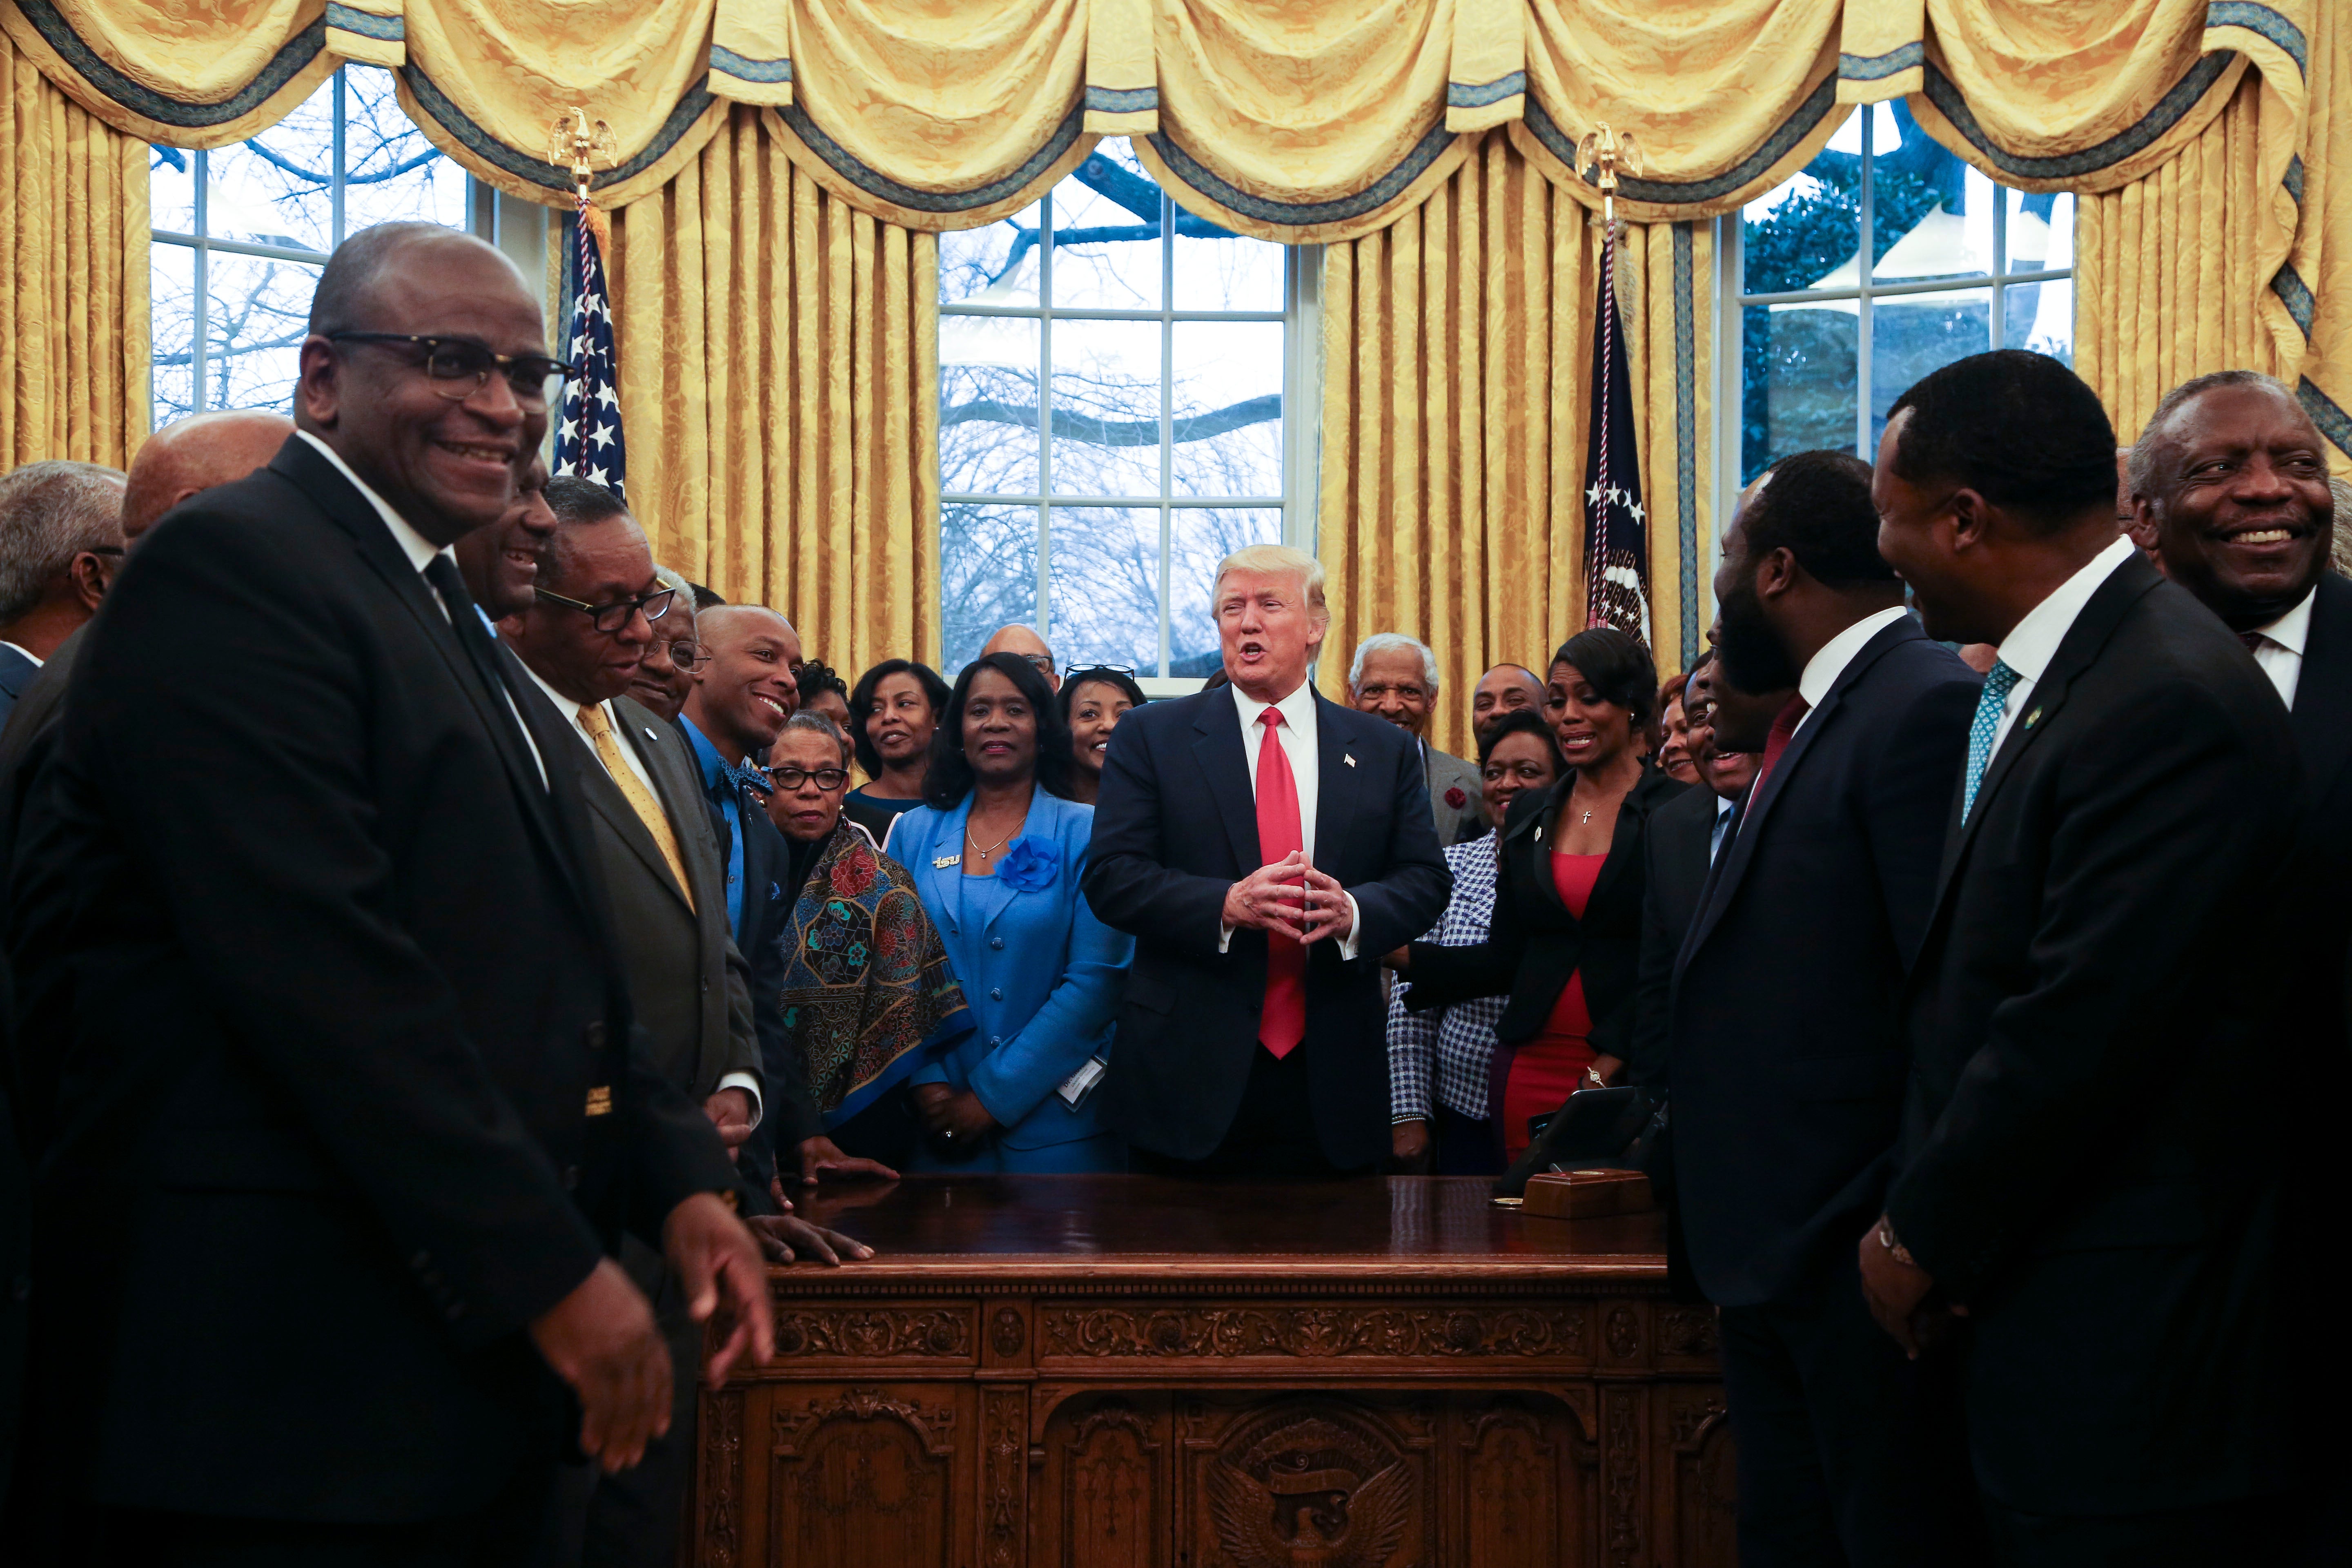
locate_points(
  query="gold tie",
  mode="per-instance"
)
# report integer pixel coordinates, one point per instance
(641, 800)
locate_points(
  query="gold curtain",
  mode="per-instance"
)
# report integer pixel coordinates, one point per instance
(778, 384)
(73, 278)
(1457, 348)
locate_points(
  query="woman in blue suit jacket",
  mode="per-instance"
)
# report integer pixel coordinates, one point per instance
(998, 862)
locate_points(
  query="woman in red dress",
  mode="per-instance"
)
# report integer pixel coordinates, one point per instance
(1565, 942)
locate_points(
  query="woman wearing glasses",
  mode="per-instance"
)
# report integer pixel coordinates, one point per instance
(998, 853)
(892, 714)
(1093, 700)
(867, 993)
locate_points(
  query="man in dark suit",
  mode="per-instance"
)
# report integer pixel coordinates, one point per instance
(736, 707)
(1685, 838)
(1396, 676)
(1251, 1038)
(349, 1075)
(1784, 1057)
(2231, 502)
(61, 538)
(174, 463)
(597, 606)
(2089, 1166)
(501, 563)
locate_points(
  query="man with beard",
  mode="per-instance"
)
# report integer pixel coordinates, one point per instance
(1782, 1053)
(2090, 1164)
(2230, 499)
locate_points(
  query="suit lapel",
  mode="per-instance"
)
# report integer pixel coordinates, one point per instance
(1336, 799)
(680, 800)
(948, 840)
(1539, 834)
(1224, 768)
(2077, 652)
(2323, 691)
(335, 496)
(1040, 820)
(601, 795)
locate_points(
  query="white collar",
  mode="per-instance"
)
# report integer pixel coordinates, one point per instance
(2033, 641)
(1828, 661)
(2292, 630)
(412, 544)
(564, 705)
(1297, 708)
(35, 659)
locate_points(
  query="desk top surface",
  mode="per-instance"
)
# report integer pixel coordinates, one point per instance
(1434, 1228)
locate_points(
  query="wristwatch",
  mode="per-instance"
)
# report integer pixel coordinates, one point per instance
(1902, 1253)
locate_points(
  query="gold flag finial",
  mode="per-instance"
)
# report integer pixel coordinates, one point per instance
(1607, 151)
(580, 144)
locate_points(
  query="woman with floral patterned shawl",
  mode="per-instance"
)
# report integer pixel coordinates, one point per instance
(867, 993)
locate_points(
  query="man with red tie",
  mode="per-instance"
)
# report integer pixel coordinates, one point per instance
(1263, 847)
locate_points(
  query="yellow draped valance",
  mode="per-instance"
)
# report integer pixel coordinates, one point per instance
(1298, 122)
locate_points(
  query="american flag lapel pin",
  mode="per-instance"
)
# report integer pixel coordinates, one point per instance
(1349, 758)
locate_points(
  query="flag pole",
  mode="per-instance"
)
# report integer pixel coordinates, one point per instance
(1608, 153)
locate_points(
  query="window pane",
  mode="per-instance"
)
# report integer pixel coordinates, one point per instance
(2041, 231)
(172, 290)
(1227, 386)
(988, 575)
(1107, 408)
(988, 405)
(1911, 335)
(1807, 233)
(391, 173)
(1103, 564)
(1931, 215)
(275, 189)
(991, 266)
(2041, 317)
(1797, 381)
(1107, 234)
(1220, 270)
(1199, 537)
(254, 342)
(171, 189)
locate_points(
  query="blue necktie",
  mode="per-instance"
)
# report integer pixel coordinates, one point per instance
(1998, 682)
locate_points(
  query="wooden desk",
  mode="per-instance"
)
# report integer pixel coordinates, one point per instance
(1122, 1370)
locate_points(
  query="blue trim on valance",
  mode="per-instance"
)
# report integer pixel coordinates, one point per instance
(2295, 295)
(837, 158)
(1122, 100)
(2183, 96)
(1878, 68)
(284, 65)
(367, 24)
(744, 67)
(1669, 193)
(491, 150)
(1302, 214)
(2265, 21)
(2332, 421)
(1478, 95)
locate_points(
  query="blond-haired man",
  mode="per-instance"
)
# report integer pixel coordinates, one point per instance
(1263, 847)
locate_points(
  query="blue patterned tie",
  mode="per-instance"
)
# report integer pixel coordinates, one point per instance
(1998, 682)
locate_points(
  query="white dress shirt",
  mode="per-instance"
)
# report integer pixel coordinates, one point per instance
(1829, 660)
(2033, 641)
(1300, 750)
(2281, 652)
(420, 553)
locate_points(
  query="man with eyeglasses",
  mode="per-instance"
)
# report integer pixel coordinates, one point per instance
(600, 606)
(1022, 642)
(741, 697)
(374, 1097)
(666, 674)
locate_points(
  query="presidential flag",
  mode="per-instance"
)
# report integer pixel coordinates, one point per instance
(1616, 533)
(588, 441)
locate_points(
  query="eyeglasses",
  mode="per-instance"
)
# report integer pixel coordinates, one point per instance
(689, 656)
(610, 618)
(1043, 663)
(459, 367)
(1072, 671)
(827, 779)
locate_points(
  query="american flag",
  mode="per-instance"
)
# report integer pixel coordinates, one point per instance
(588, 442)
(1616, 531)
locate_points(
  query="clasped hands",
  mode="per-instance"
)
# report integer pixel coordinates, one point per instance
(1291, 898)
(1899, 1294)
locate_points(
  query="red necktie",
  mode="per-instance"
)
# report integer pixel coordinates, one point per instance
(1784, 728)
(1283, 1023)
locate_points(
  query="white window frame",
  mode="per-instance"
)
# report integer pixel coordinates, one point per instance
(1731, 317)
(1302, 385)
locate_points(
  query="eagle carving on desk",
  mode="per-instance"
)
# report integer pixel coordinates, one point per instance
(1309, 1492)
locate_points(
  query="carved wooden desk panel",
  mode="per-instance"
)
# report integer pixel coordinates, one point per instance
(1095, 1371)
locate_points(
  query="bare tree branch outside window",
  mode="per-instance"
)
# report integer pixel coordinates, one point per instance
(1110, 420)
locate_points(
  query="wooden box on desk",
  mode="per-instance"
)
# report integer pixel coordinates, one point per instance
(1586, 1195)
